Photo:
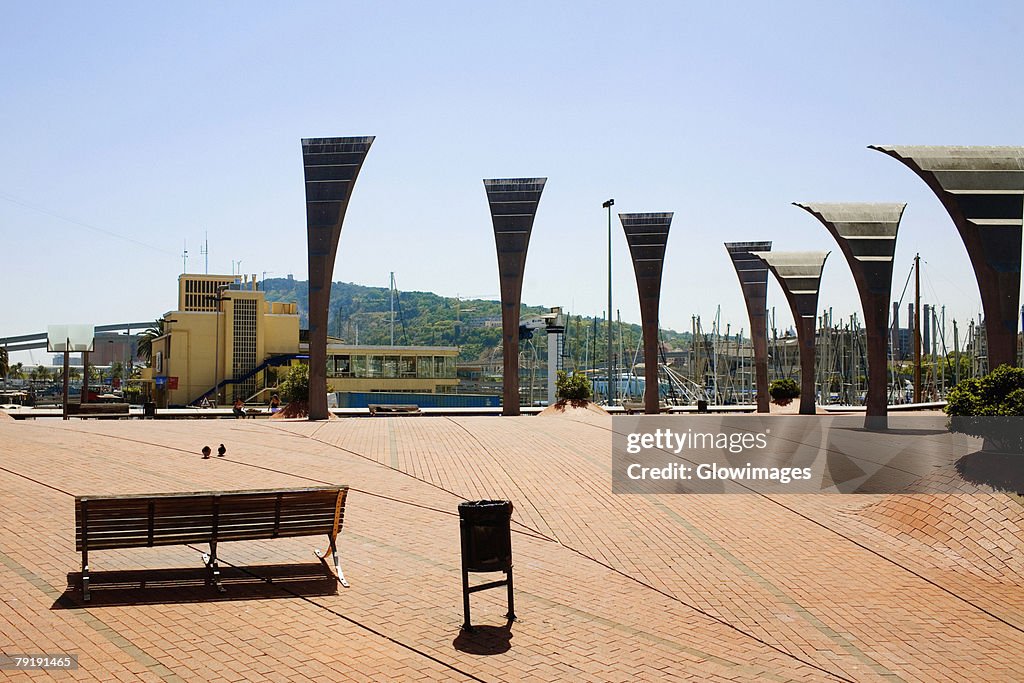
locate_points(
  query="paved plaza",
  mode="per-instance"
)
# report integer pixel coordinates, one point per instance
(608, 587)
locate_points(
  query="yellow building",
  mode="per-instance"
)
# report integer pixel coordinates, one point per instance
(401, 369)
(223, 335)
(225, 341)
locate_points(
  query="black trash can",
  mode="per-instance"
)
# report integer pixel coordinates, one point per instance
(702, 406)
(149, 409)
(486, 535)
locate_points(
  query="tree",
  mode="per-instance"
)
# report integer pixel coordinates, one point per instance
(783, 391)
(574, 388)
(295, 385)
(146, 340)
(991, 407)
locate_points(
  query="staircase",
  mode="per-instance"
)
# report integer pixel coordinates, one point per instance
(259, 372)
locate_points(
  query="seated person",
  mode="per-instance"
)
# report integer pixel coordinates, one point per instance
(238, 408)
(275, 403)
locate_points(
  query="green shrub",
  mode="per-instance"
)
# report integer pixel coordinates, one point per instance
(295, 385)
(990, 407)
(783, 391)
(133, 395)
(1000, 393)
(574, 387)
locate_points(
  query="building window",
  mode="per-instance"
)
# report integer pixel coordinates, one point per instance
(343, 366)
(243, 352)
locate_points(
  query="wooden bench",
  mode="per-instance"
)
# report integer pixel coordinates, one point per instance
(136, 521)
(101, 410)
(394, 409)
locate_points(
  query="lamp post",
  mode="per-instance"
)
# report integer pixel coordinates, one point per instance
(110, 357)
(126, 369)
(611, 392)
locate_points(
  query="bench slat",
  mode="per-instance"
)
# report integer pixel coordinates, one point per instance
(127, 521)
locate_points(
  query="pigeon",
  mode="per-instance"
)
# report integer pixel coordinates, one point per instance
(221, 451)
(206, 452)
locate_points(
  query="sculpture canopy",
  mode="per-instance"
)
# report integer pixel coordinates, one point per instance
(799, 274)
(982, 189)
(866, 234)
(513, 203)
(753, 276)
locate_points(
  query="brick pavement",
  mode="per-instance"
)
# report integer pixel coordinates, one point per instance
(727, 587)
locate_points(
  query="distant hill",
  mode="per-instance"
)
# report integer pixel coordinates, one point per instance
(363, 314)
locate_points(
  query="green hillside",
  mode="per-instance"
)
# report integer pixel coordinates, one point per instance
(362, 314)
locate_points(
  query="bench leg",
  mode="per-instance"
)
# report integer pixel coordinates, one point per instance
(333, 547)
(211, 564)
(511, 599)
(85, 576)
(467, 625)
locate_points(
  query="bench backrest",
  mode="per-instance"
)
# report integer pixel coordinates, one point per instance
(98, 409)
(176, 518)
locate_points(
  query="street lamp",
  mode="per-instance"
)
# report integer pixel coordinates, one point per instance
(611, 392)
(216, 350)
(110, 357)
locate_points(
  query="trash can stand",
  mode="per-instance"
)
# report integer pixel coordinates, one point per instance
(485, 530)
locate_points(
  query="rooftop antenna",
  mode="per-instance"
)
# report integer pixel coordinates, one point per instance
(205, 251)
(184, 257)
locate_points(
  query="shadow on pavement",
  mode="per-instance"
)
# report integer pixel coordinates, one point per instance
(176, 586)
(485, 640)
(1002, 471)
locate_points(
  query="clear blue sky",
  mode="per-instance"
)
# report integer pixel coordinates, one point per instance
(155, 124)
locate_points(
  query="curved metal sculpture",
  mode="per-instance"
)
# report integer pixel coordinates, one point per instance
(982, 188)
(513, 203)
(753, 275)
(647, 236)
(866, 234)
(331, 166)
(799, 274)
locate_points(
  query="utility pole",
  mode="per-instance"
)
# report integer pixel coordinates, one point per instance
(934, 322)
(611, 391)
(945, 352)
(917, 328)
(956, 354)
(619, 353)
